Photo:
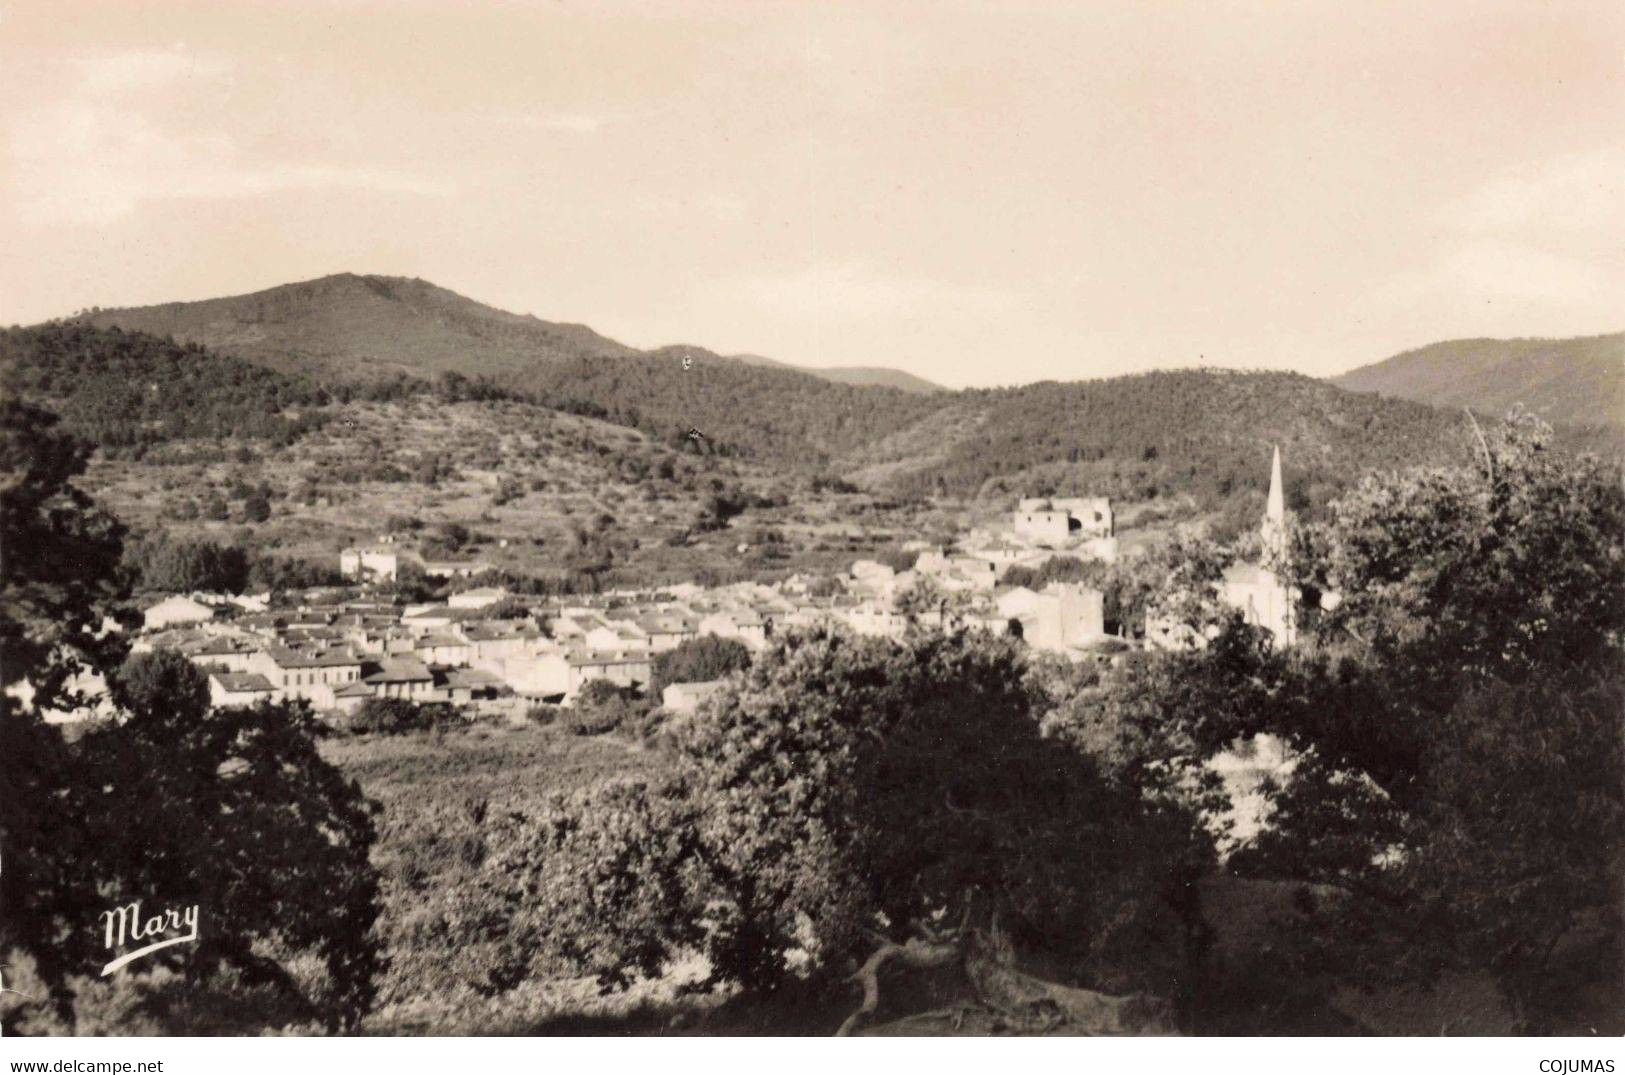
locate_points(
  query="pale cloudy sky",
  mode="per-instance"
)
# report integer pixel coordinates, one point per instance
(980, 193)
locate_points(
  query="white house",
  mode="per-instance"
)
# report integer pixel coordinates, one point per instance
(227, 689)
(745, 626)
(483, 597)
(176, 610)
(1062, 616)
(401, 677)
(1093, 513)
(442, 649)
(311, 676)
(1048, 527)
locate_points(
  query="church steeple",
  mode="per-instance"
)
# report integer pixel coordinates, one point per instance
(1275, 509)
(1273, 527)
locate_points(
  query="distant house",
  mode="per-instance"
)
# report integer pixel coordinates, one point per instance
(744, 626)
(308, 675)
(228, 689)
(624, 669)
(498, 642)
(428, 619)
(1060, 520)
(172, 611)
(870, 618)
(441, 649)
(372, 563)
(400, 677)
(687, 697)
(221, 654)
(972, 571)
(872, 571)
(1061, 617)
(665, 632)
(483, 597)
(1093, 513)
(1013, 601)
(616, 635)
(464, 685)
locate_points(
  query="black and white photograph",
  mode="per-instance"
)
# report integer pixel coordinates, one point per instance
(752, 519)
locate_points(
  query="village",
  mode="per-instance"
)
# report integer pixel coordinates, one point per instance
(485, 650)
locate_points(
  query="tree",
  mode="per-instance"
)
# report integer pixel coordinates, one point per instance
(454, 535)
(848, 794)
(1454, 716)
(603, 706)
(59, 556)
(180, 566)
(698, 660)
(1520, 838)
(239, 815)
(720, 506)
(257, 509)
(238, 812)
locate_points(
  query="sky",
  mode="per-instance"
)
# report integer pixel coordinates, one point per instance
(980, 194)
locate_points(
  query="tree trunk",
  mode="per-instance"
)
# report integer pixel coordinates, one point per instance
(1002, 999)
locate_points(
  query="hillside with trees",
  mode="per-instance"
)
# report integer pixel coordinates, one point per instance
(1566, 382)
(1204, 433)
(128, 390)
(352, 326)
(1199, 433)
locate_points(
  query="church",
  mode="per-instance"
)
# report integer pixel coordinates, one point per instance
(1256, 589)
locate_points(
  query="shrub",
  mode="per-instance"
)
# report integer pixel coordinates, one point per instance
(698, 660)
(601, 706)
(393, 716)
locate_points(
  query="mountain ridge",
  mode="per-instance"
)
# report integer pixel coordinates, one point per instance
(333, 325)
(1171, 431)
(1566, 381)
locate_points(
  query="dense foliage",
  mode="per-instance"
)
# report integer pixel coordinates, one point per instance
(1195, 432)
(846, 788)
(127, 391)
(182, 566)
(698, 660)
(1453, 717)
(59, 556)
(166, 802)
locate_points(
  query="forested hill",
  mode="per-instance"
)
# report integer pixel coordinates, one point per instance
(881, 376)
(126, 389)
(359, 327)
(350, 326)
(776, 415)
(1577, 381)
(1202, 432)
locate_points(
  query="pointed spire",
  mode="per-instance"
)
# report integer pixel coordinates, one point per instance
(1275, 508)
